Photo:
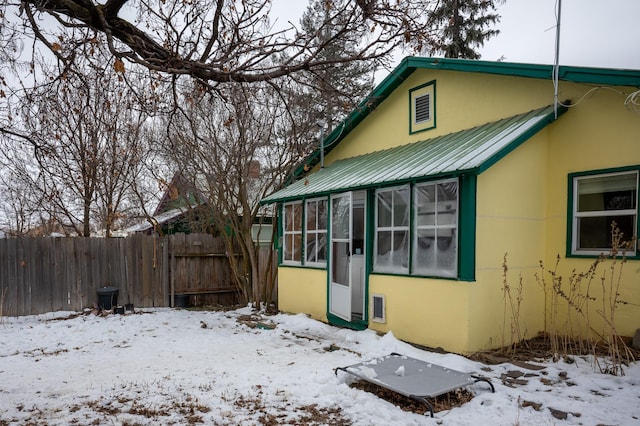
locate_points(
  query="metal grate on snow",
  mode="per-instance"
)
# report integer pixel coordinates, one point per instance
(413, 378)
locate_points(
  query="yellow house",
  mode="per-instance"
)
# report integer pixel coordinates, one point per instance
(404, 220)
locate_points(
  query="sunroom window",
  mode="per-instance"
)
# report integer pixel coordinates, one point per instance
(316, 232)
(435, 250)
(601, 202)
(392, 230)
(292, 233)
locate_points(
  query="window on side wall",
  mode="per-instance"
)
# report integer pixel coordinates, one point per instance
(435, 244)
(422, 107)
(392, 230)
(292, 233)
(599, 201)
(316, 232)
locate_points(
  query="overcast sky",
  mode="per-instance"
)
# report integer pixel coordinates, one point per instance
(594, 33)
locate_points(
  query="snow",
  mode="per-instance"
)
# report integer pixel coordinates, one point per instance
(164, 366)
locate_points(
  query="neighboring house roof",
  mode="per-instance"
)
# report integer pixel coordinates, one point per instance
(474, 149)
(613, 77)
(159, 218)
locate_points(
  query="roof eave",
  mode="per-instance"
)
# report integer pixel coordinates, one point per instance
(520, 140)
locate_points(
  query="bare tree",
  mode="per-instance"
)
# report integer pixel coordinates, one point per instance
(85, 128)
(216, 41)
(235, 151)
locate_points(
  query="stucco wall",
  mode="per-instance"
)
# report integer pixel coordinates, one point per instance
(429, 312)
(598, 133)
(511, 221)
(303, 290)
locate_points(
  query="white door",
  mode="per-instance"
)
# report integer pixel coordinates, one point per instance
(340, 264)
(347, 258)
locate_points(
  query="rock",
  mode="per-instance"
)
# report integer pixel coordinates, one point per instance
(535, 405)
(558, 414)
(562, 415)
(528, 365)
(514, 374)
(635, 343)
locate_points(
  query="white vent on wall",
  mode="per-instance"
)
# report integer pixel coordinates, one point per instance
(423, 108)
(378, 308)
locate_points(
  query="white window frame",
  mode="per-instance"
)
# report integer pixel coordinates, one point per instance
(576, 215)
(293, 233)
(317, 231)
(436, 227)
(393, 229)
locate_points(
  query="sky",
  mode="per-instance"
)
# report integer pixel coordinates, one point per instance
(182, 367)
(594, 33)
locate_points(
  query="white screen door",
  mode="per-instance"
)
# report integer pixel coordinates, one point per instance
(340, 266)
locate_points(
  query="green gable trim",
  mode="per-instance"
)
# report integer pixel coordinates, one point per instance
(472, 150)
(604, 76)
(526, 135)
(609, 76)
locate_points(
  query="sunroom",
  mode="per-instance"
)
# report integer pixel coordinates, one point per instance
(408, 211)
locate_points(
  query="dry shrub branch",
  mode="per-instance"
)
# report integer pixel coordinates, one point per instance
(579, 314)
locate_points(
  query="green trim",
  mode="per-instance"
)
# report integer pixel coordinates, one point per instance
(412, 109)
(467, 228)
(433, 277)
(610, 76)
(520, 140)
(279, 232)
(569, 233)
(358, 325)
(570, 194)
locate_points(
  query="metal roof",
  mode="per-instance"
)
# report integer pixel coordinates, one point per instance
(472, 150)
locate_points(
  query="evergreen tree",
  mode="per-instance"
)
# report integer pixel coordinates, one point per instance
(462, 26)
(337, 88)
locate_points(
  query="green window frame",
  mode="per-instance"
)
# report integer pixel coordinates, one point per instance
(316, 220)
(422, 107)
(435, 242)
(597, 199)
(417, 229)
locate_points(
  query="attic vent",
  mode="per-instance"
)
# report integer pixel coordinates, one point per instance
(423, 108)
(378, 311)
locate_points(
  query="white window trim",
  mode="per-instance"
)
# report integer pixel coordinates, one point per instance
(316, 231)
(292, 233)
(393, 229)
(576, 215)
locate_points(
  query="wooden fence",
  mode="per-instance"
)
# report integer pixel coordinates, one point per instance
(39, 275)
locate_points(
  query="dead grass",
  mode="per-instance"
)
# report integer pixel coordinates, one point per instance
(444, 402)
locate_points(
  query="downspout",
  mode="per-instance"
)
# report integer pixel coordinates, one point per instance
(321, 125)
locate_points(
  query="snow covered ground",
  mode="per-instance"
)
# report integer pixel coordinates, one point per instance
(199, 367)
